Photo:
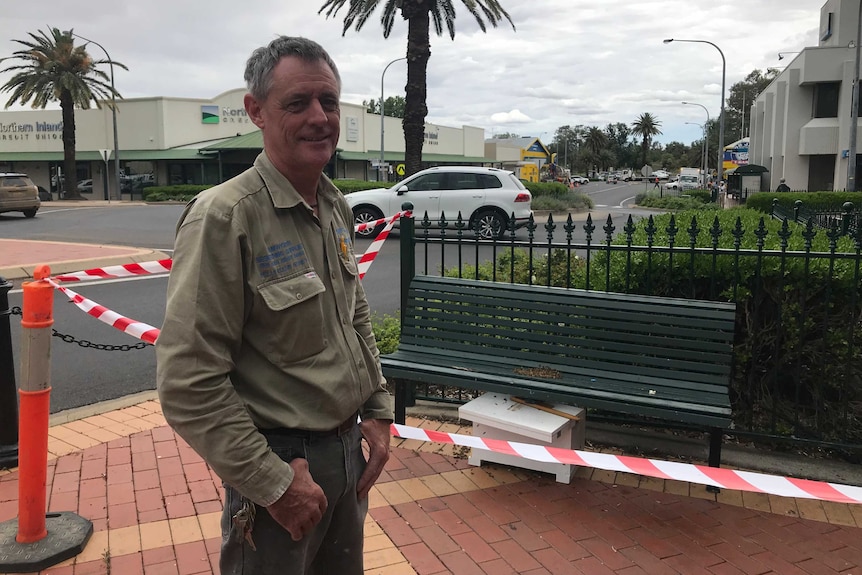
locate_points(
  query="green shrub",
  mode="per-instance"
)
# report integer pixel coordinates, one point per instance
(813, 201)
(387, 331)
(350, 186)
(181, 193)
(674, 203)
(571, 200)
(539, 189)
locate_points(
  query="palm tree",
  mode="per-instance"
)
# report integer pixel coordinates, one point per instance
(419, 15)
(54, 69)
(646, 126)
(596, 140)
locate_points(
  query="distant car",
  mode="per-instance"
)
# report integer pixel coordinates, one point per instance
(580, 180)
(660, 174)
(85, 186)
(612, 178)
(486, 198)
(18, 193)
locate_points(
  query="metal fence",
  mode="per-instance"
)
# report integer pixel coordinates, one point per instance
(846, 218)
(798, 354)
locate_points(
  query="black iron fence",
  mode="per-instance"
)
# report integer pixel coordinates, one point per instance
(798, 289)
(846, 218)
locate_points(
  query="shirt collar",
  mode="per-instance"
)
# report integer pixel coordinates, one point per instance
(282, 192)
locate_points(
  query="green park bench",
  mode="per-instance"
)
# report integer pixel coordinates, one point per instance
(663, 358)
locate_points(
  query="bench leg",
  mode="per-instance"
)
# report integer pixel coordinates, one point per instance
(715, 436)
(405, 397)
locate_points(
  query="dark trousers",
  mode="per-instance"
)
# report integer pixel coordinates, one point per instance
(335, 545)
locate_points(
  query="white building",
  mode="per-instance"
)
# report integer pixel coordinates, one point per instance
(800, 124)
(200, 141)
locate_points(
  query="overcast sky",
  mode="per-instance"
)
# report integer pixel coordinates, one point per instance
(568, 61)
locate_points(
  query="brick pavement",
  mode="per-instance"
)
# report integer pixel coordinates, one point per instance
(155, 506)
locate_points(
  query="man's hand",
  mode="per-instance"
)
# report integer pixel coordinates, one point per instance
(376, 433)
(300, 508)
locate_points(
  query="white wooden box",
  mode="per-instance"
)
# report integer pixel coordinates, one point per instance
(497, 416)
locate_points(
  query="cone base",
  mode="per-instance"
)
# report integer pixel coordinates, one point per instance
(67, 536)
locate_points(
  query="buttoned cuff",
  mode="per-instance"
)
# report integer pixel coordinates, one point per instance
(269, 482)
(381, 405)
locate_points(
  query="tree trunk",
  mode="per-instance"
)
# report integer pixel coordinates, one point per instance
(416, 12)
(70, 170)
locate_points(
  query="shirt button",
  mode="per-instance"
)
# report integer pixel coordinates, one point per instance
(298, 295)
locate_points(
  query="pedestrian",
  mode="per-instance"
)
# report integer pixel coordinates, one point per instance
(656, 183)
(782, 186)
(266, 356)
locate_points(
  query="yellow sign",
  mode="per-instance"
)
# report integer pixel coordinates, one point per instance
(400, 170)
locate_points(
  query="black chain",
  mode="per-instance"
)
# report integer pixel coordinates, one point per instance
(84, 343)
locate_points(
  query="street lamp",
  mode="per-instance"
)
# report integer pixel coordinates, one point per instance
(703, 155)
(854, 112)
(781, 54)
(705, 135)
(381, 167)
(721, 118)
(113, 114)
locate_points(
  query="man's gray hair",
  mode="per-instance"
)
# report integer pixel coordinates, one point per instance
(261, 63)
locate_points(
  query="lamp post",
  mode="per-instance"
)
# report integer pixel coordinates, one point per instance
(113, 114)
(381, 167)
(705, 135)
(781, 54)
(702, 149)
(854, 112)
(720, 168)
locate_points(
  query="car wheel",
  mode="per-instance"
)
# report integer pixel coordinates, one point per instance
(489, 225)
(29, 213)
(365, 214)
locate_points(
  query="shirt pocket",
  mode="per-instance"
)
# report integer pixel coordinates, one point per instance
(293, 324)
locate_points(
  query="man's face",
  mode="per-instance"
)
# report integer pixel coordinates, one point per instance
(300, 116)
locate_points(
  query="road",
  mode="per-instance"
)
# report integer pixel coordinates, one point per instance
(83, 375)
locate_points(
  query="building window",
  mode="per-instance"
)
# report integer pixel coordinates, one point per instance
(827, 30)
(826, 99)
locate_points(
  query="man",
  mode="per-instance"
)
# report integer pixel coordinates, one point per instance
(266, 355)
(656, 183)
(782, 186)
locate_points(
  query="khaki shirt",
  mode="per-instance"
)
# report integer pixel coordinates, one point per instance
(267, 325)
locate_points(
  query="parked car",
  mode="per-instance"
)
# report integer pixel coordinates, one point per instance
(85, 186)
(485, 198)
(660, 174)
(18, 193)
(613, 178)
(580, 180)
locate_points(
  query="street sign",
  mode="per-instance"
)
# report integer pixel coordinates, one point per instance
(400, 169)
(646, 171)
(105, 155)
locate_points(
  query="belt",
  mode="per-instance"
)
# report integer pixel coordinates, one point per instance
(345, 427)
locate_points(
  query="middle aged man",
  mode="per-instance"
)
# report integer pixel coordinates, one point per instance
(266, 356)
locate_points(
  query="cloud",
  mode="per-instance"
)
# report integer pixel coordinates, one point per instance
(568, 61)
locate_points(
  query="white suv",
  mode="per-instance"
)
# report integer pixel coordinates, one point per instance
(486, 198)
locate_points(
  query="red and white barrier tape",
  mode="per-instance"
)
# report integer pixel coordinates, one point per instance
(700, 474)
(374, 248)
(381, 221)
(134, 328)
(123, 271)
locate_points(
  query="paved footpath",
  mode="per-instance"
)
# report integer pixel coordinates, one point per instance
(155, 506)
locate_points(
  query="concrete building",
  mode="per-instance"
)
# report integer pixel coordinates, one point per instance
(165, 140)
(800, 124)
